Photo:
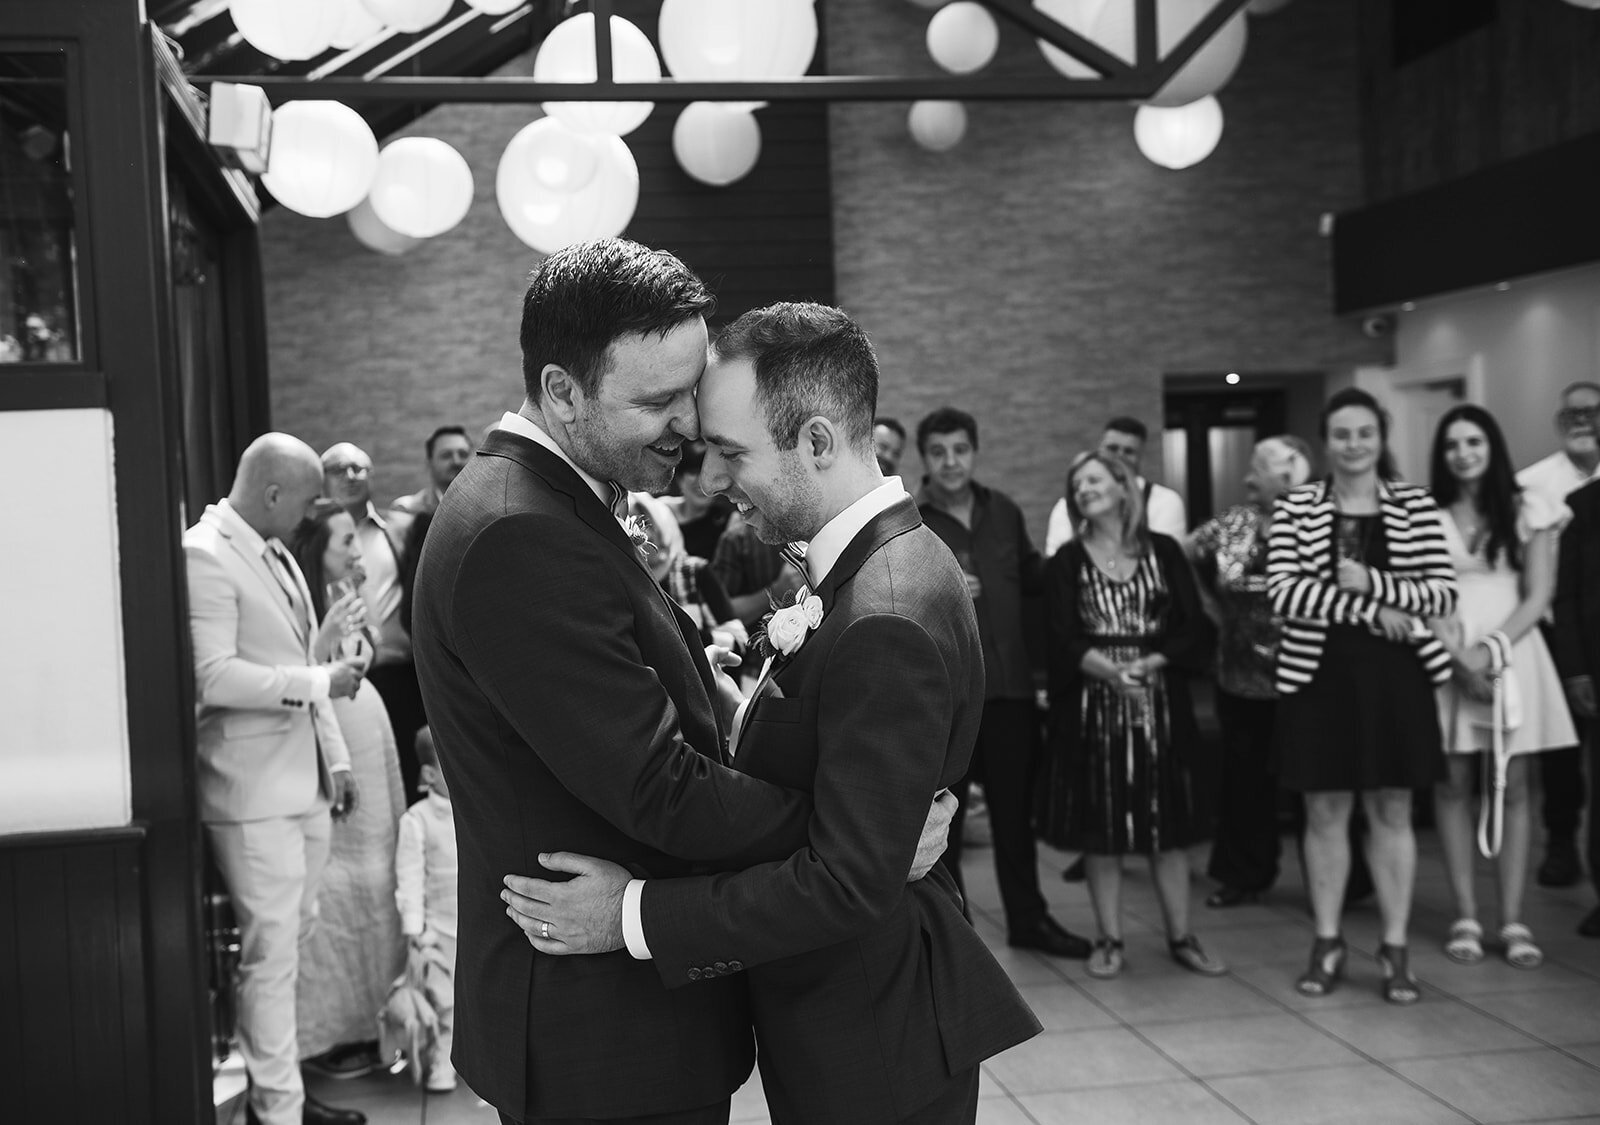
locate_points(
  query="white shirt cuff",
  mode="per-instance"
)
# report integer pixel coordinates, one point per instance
(321, 683)
(632, 920)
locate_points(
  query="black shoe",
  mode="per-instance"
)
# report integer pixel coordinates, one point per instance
(1590, 926)
(1049, 936)
(1224, 897)
(1074, 872)
(315, 1113)
(1560, 867)
(348, 1060)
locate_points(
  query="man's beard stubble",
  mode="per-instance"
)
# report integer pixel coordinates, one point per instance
(596, 451)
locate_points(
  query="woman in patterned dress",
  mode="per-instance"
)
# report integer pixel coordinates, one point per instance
(1502, 541)
(1126, 631)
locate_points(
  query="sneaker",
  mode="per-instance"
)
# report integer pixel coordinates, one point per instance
(441, 1077)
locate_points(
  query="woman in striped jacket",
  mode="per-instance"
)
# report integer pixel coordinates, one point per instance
(1354, 564)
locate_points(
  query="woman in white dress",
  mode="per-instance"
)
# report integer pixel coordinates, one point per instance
(1502, 541)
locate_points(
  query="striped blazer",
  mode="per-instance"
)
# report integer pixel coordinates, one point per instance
(1420, 579)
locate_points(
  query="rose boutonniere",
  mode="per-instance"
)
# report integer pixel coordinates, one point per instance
(784, 630)
(635, 528)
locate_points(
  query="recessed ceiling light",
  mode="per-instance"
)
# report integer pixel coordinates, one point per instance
(1503, 286)
(1409, 306)
(1231, 378)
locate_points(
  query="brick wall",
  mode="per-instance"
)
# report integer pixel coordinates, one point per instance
(1044, 275)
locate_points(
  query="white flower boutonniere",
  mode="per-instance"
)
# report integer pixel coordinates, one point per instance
(634, 526)
(784, 630)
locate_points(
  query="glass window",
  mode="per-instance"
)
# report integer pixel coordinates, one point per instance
(38, 257)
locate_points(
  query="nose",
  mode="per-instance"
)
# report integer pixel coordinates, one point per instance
(686, 421)
(714, 478)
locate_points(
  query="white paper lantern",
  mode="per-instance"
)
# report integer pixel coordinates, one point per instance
(422, 188)
(408, 15)
(1265, 7)
(1205, 73)
(495, 7)
(1178, 136)
(930, 5)
(356, 25)
(323, 158)
(715, 143)
(287, 29)
(1592, 5)
(372, 233)
(567, 55)
(962, 37)
(737, 40)
(549, 217)
(937, 126)
(1074, 15)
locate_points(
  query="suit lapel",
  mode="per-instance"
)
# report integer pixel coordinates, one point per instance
(897, 519)
(263, 572)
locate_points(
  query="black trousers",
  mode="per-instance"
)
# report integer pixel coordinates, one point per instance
(1005, 762)
(1561, 777)
(706, 1115)
(1589, 732)
(402, 698)
(1245, 850)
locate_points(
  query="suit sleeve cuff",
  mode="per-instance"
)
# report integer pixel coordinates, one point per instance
(320, 685)
(633, 921)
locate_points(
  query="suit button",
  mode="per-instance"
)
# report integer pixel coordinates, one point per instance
(736, 966)
(722, 966)
(694, 974)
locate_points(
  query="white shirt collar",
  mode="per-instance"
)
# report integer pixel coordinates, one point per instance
(829, 543)
(517, 424)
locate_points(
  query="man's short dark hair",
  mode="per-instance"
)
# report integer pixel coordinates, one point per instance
(890, 424)
(946, 420)
(444, 431)
(809, 359)
(1127, 424)
(586, 296)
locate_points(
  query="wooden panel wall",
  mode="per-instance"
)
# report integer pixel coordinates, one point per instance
(74, 1040)
(1527, 80)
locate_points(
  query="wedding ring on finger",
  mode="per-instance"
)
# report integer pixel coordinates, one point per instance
(544, 930)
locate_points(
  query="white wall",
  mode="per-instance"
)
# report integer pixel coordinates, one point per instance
(63, 708)
(1528, 341)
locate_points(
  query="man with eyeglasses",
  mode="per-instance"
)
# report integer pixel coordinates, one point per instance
(1566, 470)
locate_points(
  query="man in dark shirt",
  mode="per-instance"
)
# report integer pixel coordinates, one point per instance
(986, 532)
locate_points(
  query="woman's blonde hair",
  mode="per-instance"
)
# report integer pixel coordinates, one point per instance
(1288, 456)
(1135, 536)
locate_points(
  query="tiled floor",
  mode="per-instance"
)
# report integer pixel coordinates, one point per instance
(1488, 1043)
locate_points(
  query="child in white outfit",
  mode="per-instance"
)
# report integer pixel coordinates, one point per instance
(425, 878)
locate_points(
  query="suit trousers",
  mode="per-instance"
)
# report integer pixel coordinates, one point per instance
(706, 1115)
(402, 698)
(1561, 777)
(1005, 762)
(1245, 850)
(271, 868)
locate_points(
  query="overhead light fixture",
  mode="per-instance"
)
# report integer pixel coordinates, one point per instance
(1231, 378)
(1503, 286)
(1409, 306)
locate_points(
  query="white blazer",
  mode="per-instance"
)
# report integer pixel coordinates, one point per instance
(266, 750)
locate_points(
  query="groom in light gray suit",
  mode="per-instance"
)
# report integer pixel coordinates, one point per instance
(272, 759)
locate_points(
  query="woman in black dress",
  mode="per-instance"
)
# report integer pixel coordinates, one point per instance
(1354, 565)
(1126, 630)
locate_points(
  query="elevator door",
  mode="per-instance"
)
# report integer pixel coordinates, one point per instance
(1208, 441)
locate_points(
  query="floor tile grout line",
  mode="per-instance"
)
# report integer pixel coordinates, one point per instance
(1545, 1043)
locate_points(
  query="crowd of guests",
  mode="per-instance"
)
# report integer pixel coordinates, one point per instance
(1366, 638)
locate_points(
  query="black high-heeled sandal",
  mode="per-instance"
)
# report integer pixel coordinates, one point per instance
(1327, 967)
(1399, 986)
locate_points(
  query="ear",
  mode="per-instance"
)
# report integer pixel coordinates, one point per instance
(270, 495)
(820, 441)
(561, 390)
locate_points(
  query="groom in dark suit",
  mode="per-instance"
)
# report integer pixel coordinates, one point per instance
(874, 1001)
(572, 706)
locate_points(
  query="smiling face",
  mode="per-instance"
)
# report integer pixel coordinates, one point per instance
(342, 556)
(633, 428)
(1125, 447)
(773, 489)
(1578, 422)
(950, 459)
(1466, 450)
(1096, 492)
(1355, 440)
(347, 476)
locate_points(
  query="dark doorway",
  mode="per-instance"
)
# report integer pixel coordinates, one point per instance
(1208, 441)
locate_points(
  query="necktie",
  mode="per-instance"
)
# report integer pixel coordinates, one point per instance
(796, 558)
(283, 570)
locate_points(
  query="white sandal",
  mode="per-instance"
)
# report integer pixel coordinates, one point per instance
(1521, 953)
(1465, 943)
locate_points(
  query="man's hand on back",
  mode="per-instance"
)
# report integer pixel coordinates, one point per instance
(584, 914)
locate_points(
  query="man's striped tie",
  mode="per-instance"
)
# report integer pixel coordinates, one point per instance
(796, 558)
(619, 500)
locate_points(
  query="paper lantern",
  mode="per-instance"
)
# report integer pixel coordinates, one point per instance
(372, 233)
(930, 5)
(962, 37)
(716, 144)
(549, 217)
(422, 187)
(356, 25)
(495, 7)
(737, 40)
(1205, 73)
(1592, 5)
(567, 55)
(287, 29)
(1074, 15)
(1178, 136)
(937, 126)
(1265, 7)
(323, 158)
(408, 15)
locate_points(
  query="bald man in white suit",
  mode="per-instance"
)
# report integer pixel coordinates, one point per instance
(273, 763)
